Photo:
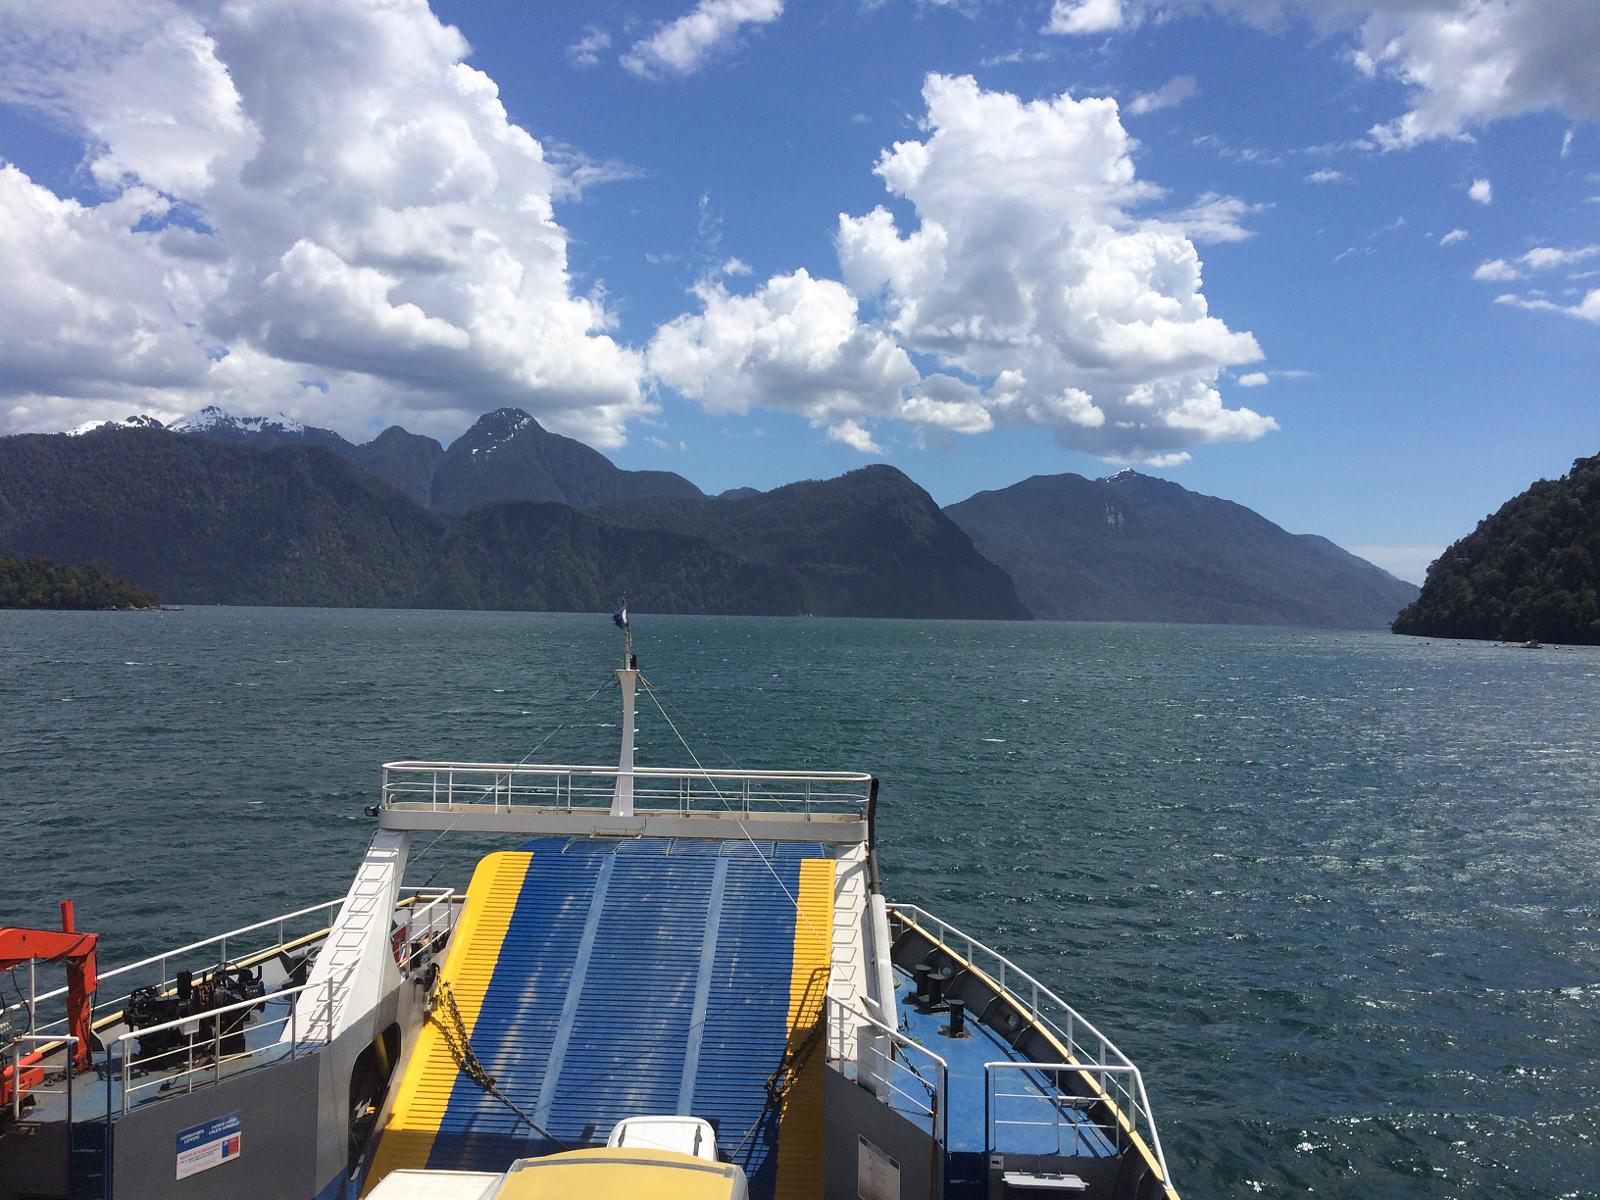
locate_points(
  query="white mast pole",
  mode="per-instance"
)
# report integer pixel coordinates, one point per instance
(627, 678)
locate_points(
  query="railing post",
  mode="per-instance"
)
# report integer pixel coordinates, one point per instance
(16, 1082)
(943, 1134)
(988, 1115)
(123, 1042)
(328, 1010)
(294, 1025)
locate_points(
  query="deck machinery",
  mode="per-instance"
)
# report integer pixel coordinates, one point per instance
(710, 948)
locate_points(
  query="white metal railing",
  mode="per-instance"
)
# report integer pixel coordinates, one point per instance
(924, 1092)
(1086, 1046)
(203, 1053)
(504, 787)
(39, 1088)
(301, 926)
(160, 969)
(1042, 1103)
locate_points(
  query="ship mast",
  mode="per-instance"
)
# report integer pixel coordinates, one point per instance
(627, 679)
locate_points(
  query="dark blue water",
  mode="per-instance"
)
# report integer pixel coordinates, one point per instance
(1336, 893)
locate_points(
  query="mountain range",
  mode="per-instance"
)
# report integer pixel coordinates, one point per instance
(1135, 548)
(506, 455)
(225, 509)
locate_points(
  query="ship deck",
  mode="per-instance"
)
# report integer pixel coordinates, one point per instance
(599, 979)
(1034, 1116)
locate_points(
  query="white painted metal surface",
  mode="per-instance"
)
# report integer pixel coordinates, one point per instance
(578, 801)
(850, 977)
(622, 794)
(436, 1185)
(892, 1064)
(685, 1135)
(358, 955)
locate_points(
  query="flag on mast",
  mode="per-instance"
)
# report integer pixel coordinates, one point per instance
(621, 615)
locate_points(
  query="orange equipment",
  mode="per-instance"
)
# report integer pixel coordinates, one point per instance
(76, 950)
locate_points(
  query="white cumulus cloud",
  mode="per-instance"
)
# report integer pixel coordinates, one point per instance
(947, 403)
(1454, 236)
(1029, 282)
(1470, 62)
(683, 46)
(1481, 190)
(1028, 273)
(796, 344)
(1254, 379)
(341, 198)
(1325, 175)
(1084, 16)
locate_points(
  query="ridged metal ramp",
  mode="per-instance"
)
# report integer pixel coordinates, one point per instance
(600, 979)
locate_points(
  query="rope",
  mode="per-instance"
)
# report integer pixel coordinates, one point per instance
(416, 858)
(799, 912)
(454, 1032)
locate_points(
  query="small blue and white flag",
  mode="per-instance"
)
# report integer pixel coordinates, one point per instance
(621, 616)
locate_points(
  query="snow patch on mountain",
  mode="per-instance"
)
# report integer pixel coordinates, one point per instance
(135, 421)
(509, 422)
(212, 417)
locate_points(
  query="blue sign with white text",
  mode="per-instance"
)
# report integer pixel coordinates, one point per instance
(210, 1144)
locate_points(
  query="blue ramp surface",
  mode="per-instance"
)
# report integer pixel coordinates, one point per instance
(636, 977)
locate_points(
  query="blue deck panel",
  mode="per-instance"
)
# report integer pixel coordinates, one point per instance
(673, 927)
(520, 1017)
(966, 1085)
(626, 1054)
(747, 1028)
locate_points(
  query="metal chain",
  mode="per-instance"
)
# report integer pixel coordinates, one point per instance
(454, 1032)
(781, 1081)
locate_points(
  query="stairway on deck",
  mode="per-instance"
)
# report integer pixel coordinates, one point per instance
(605, 979)
(849, 969)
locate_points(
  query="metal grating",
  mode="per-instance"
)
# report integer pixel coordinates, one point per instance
(612, 950)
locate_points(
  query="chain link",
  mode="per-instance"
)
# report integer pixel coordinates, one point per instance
(454, 1032)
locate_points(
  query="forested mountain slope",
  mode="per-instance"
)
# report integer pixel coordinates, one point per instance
(1136, 548)
(1529, 571)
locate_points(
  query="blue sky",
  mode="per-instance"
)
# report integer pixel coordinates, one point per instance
(1339, 262)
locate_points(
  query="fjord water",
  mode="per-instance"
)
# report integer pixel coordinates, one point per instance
(1335, 893)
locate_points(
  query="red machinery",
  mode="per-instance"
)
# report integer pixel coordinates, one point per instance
(76, 950)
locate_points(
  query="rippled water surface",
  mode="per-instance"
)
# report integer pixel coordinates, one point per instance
(1335, 893)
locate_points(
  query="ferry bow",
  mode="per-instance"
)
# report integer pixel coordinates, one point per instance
(671, 982)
